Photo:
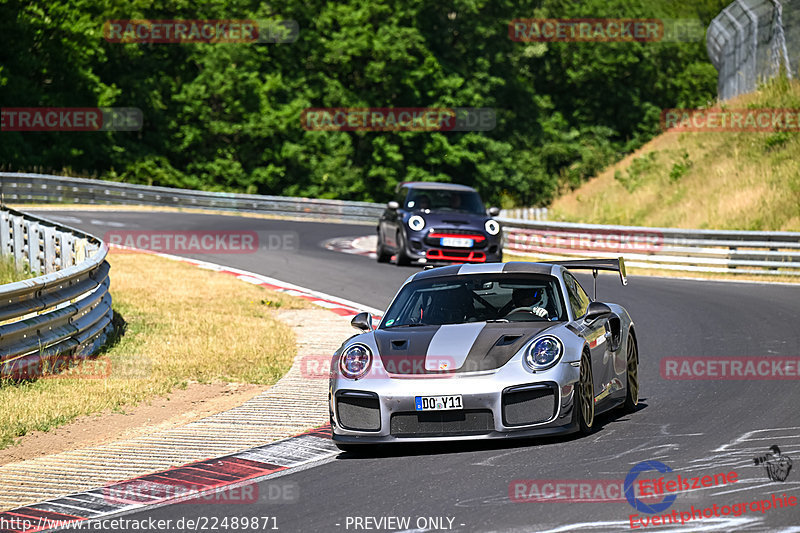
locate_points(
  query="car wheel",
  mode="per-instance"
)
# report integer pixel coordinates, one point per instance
(401, 259)
(585, 399)
(380, 251)
(632, 375)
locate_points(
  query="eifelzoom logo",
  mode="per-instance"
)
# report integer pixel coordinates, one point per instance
(776, 464)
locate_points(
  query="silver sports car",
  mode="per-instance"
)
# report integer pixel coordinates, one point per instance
(485, 351)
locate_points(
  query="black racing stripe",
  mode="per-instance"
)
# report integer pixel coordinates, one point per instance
(450, 270)
(529, 268)
(498, 342)
(403, 350)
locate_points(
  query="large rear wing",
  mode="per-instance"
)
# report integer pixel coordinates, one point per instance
(615, 265)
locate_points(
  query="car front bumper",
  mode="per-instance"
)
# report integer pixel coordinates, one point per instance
(382, 411)
(420, 246)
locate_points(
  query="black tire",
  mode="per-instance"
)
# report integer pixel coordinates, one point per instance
(401, 259)
(631, 376)
(584, 398)
(380, 251)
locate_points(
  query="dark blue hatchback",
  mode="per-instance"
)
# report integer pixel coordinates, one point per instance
(438, 223)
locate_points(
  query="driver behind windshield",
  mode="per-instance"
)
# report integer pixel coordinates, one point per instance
(535, 299)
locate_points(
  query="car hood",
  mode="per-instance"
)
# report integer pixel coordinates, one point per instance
(453, 348)
(453, 219)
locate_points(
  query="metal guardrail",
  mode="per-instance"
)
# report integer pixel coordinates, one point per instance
(750, 252)
(42, 188)
(525, 213)
(747, 252)
(61, 315)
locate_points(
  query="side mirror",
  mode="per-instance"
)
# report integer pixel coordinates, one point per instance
(596, 311)
(394, 206)
(494, 211)
(362, 322)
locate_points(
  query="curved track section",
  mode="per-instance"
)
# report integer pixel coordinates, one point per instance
(696, 428)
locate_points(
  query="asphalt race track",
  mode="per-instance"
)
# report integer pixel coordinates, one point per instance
(701, 427)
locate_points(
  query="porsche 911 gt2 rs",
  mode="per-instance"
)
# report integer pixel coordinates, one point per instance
(485, 351)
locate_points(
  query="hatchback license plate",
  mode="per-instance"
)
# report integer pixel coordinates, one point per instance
(454, 242)
(438, 403)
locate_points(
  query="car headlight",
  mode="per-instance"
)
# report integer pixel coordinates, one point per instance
(416, 222)
(492, 227)
(355, 361)
(544, 353)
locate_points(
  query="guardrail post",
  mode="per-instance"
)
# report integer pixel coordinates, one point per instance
(18, 239)
(32, 229)
(5, 234)
(50, 250)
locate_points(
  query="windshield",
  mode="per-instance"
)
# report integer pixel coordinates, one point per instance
(445, 200)
(477, 298)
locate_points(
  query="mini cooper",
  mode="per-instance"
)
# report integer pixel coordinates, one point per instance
(438, 223)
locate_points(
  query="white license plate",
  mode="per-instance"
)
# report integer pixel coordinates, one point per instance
(453, 242)
(438, 403)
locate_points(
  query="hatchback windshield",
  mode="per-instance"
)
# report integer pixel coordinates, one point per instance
(445, 200)
(477, 298)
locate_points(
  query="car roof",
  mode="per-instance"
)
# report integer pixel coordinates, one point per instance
(429, 185)
(512, 267)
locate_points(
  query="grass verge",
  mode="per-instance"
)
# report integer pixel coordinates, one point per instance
(726, 180)
(9, 272)
(181, 324)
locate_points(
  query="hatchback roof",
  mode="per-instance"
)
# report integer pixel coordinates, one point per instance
(434, 185)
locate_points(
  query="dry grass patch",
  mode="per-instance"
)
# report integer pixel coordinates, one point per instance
(9, 272)
(730, 180)
(182, 324)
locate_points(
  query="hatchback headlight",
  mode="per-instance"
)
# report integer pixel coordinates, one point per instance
(416, 222)
(492, 227)
(544, 353)
(355, 361)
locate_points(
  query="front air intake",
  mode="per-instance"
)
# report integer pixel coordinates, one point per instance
(529, 404)
(358, 411)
